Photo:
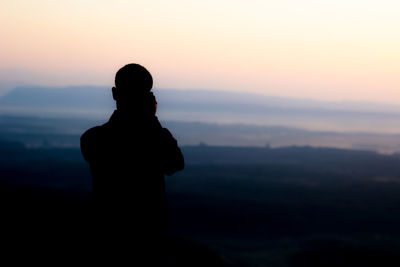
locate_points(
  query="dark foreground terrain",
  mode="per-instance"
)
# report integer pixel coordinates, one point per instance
(295, 206)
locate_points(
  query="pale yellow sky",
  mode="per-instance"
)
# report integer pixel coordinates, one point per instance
(321, 49)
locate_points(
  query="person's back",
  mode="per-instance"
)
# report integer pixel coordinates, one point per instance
(128, 157)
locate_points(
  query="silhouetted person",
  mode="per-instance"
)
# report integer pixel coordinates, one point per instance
(128, 157)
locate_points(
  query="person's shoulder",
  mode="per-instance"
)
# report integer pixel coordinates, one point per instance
(91, 139)
(93, 133)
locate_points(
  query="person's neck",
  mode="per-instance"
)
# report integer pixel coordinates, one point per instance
(130, 114)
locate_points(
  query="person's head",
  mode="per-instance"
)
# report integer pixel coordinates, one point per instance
(133, 84)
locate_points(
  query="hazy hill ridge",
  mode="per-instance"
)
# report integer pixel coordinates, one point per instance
(221, 117)
(97, 97)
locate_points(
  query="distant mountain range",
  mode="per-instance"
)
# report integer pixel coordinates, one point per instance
(97, 97)
(211, 107)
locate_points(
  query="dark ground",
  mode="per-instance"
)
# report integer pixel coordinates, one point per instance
(295, 206)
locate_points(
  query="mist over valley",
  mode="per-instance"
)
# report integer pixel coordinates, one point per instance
(57, 116)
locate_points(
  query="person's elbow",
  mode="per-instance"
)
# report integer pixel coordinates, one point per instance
(177, 165)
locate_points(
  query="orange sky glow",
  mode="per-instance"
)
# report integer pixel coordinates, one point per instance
(322, 49)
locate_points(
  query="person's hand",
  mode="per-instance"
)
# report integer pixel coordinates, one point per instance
(153, 102)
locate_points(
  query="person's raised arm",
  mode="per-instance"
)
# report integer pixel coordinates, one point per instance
(172, 158)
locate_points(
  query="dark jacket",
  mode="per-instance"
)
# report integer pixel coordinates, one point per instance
(128, 157)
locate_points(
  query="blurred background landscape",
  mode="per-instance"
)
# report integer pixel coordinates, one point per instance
(257, 190)
(287, 114)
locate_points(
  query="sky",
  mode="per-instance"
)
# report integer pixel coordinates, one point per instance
(331, 50)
